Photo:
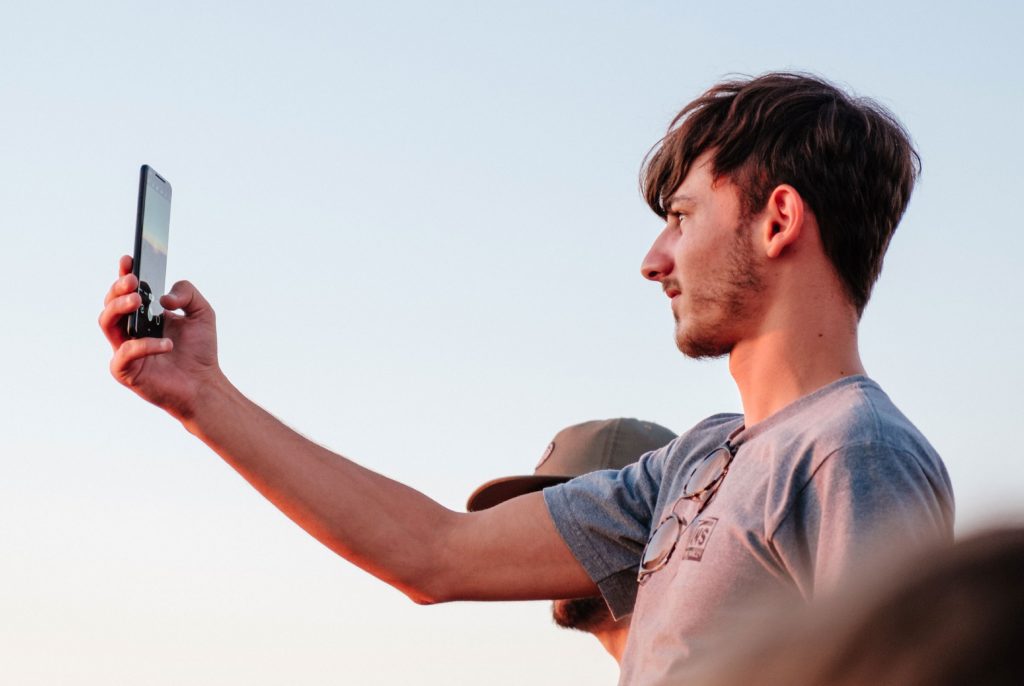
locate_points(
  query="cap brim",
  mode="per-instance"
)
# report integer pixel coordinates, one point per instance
(506, 488)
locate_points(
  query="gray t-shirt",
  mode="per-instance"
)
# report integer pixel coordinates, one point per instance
(813, 490)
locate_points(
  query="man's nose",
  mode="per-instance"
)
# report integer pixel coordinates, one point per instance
(658, 262)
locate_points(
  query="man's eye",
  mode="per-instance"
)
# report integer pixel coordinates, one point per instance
(680, 216)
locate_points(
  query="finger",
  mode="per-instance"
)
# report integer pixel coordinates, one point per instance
(184, 296)
(111, 319)
(127, 283)
(136, 349)
(124, 265)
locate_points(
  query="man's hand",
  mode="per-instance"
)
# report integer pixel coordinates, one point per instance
(169, 372)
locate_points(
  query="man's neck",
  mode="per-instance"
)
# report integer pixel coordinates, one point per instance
(613, 638)
(792, 356)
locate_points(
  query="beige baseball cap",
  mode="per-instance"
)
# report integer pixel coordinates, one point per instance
(576, 450)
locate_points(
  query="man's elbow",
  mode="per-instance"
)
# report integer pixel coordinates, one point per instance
(428, 589)
(432, 576)
(421, 599)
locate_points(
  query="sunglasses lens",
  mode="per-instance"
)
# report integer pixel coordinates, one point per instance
(661, 544)
(708, 471)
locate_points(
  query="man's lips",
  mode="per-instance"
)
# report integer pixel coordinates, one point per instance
(672, 291)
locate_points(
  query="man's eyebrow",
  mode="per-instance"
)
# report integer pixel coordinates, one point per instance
(678, 198)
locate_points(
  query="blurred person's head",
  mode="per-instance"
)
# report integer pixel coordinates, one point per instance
(950, 616)
(578, 450)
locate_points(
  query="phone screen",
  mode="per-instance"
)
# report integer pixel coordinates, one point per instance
(150, 259)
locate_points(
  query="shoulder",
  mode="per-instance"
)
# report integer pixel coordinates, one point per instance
(851, 440)
(861, 419)
(851, 414)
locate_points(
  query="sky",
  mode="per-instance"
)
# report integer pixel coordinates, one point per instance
(420, 227)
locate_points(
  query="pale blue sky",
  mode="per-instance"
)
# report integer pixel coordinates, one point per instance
(420, 226)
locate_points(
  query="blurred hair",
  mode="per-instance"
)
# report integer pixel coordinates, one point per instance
(849, 159)
(950, 617)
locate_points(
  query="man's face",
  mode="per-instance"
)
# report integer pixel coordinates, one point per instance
(705, 261)
(584, 614)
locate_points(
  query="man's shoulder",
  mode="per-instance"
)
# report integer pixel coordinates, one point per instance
(859, 451)
(851, 424)
(861, 413)
(856, 428)
(850, 412)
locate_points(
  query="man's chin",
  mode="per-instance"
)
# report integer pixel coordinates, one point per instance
(700, 347)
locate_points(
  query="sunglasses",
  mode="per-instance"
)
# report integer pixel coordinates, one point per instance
(700, 486)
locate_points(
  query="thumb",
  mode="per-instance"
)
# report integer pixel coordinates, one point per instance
(184, 296)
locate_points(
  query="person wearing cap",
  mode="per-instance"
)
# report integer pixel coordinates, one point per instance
(576, 450)
(779, 196)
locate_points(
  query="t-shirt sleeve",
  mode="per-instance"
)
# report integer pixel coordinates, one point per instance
(604, 517)
(862, 503)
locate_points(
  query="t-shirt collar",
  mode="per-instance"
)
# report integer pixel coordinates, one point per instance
(743, 434)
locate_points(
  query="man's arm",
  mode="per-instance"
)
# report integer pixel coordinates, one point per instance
(430, 553)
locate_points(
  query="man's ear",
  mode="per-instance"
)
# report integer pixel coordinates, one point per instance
(782, 220)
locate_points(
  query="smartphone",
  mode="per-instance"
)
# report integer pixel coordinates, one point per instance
(149, 261)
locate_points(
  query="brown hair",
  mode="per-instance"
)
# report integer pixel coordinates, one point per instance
(850, 159)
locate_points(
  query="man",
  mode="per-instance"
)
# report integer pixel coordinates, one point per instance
(779, 195)
(576, 450)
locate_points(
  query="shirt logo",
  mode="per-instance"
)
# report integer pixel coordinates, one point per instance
(699, 538)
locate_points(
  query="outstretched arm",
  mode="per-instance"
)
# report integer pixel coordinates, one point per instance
(430, 553)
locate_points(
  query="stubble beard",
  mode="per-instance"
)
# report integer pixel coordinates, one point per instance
(722, 304)
(582, 614)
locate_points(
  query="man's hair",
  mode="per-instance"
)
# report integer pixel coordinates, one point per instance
(849, 159)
